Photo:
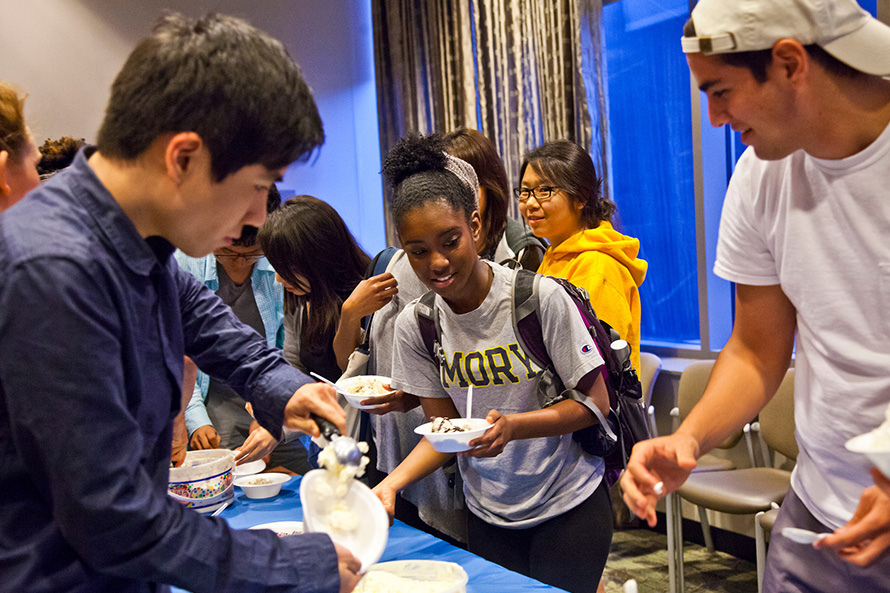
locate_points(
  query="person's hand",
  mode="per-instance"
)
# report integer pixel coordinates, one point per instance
(257, 445)
(494, 440)
(314, 398)
(668, 460)
(881, 481)
(349, 567)
(371, 295)
(205, 437)
(388, 497)
(866, 538)
(398, 401)
(177, 453)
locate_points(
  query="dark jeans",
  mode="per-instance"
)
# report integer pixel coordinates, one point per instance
(568, 551)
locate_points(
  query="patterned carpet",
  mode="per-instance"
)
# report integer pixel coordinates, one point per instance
(641, 554)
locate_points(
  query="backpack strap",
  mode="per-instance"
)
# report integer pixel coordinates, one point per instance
(526, 320)
(430, 329)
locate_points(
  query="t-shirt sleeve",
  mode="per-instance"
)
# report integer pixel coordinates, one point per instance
(743, 254)
(413, 370)
(568, 342)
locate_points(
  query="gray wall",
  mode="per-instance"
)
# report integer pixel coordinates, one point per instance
(65, 54)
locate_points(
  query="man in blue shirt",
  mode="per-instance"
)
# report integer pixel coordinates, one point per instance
(95, 318)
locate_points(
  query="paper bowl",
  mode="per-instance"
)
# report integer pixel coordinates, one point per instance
(203, 474)
(454, 442)
(250, 468)
(879, 456)
(368, 539)
(206, 505)
(407, 575)
(346, 388)
(282, 528)
(262, 485)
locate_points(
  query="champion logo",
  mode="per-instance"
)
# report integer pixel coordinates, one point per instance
(586, 348)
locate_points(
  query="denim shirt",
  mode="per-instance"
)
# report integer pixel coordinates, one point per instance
(269, 296)
(94, 323)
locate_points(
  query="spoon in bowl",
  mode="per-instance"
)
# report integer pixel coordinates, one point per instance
(803, 536)
(470, 401)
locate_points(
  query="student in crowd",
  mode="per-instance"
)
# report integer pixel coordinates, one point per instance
(18, 153)
(245, 281)
(503, 239)
(803, 235)
(538, 503)
(559, 197)
(96, 317)
(55, 155)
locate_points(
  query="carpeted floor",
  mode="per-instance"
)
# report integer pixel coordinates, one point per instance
(641, 554)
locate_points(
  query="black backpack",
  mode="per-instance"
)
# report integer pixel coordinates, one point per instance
(613, 437)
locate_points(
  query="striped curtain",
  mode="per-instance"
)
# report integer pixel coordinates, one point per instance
(520, 71)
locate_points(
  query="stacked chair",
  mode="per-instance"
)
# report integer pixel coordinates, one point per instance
(716, 483)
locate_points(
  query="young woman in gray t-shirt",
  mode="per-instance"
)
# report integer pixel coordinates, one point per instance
(538, 503)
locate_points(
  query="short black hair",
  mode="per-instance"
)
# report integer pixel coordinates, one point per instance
(248, 236)
(757, 61)
(570, 168)
(416, 169)
(219, 77)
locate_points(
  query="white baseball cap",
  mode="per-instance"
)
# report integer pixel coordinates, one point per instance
(840, 27)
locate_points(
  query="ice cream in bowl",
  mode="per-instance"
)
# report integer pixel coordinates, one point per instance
(875, 445)
(453, 435)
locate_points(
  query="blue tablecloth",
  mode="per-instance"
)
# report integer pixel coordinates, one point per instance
(404, 543)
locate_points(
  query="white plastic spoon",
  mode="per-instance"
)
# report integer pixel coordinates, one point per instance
(470, 401)
(803, 536)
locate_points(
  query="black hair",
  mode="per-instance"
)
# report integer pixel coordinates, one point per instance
(473, 147)
(248, 236)
(219, 77)
(757, 61)
(570, 168)
(306, 237)
(415, 167)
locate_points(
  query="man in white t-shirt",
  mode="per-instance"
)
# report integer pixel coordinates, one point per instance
(805, 235)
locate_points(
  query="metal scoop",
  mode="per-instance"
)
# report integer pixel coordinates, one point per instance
(345, 448)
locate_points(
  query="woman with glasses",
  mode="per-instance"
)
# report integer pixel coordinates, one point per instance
(559, 197)
(215, 417)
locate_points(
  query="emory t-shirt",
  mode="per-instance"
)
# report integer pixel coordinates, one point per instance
(821, 229)
(532, 480)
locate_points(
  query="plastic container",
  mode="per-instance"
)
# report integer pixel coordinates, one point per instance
(414, 576)
(206, 505)
(454, 442)
(203, 474)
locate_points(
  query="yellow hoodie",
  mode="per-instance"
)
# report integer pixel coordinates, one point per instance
(604, 262)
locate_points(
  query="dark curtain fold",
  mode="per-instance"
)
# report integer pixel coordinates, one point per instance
(520, 71)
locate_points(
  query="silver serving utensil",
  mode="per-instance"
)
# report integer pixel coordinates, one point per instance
(803, 536)
(345, 448)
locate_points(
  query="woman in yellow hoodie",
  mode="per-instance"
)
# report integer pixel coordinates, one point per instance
(559, 197)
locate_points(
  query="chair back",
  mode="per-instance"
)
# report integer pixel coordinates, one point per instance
(650, 366)
(692, 385)
(777, 419)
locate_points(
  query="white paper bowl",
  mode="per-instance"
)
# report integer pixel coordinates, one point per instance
(252, 489)
(282, 528)
(454, 442)
(452, 576)
(880, 457)
(345, 385)
(250, 468)
(368, 539)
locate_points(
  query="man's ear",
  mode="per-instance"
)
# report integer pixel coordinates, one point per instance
(791, 59)
(4, 184)
(183, 155)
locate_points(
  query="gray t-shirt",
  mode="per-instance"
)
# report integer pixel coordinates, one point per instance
(532, 480)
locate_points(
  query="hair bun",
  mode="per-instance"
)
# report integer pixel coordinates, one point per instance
(414, 154)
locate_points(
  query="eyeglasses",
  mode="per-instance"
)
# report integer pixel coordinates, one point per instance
(252, 256)
(541, 193)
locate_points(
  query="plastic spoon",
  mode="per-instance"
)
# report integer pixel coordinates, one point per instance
(803, 536)
(220, 509)
(323, 380)
(470, 401)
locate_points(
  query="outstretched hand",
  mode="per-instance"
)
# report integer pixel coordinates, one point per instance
(866, 538)
(398, 401)
(494, 440)
(313, 398)
(667, 461)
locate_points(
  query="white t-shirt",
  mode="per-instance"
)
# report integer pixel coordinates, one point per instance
(821, 229)
(532, 480)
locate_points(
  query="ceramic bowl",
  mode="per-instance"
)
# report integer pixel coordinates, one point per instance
(454, 442)
(262, 485)
(347, 388)
(401, 574)
(368, 539)
(203, 474)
